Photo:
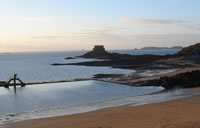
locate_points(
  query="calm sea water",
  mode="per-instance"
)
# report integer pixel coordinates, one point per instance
(36, 101)
(37, 66)
(36, 97)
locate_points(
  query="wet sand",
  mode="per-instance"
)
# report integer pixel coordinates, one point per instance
(182, 113)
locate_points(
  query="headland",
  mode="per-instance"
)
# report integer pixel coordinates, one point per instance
(169, 71)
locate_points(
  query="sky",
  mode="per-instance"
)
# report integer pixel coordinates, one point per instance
(67, 25)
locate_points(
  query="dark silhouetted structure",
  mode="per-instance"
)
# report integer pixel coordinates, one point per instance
(99, 49)
(97, 52)
(15, 79)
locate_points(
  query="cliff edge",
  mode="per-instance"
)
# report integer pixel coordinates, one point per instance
(189, 51)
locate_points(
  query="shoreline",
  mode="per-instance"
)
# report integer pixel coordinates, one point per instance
(99, 77)
(131, 79)
(179, 65)
(127, 116)
(71, 107)
(148, 98)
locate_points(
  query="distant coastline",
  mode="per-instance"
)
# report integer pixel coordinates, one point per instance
(159, 48)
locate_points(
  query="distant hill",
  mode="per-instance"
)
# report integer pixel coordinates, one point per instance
(161, 48)
(191, 50)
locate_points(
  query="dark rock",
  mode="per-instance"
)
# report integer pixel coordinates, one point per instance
(12, 114)
(69, 58)
(57, 64)
(107, 75)
(99, 52)
(189, 51)
(125, 62)
(183, 80)
(194, 59)
(116, 60)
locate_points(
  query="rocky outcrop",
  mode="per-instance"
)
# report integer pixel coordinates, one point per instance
(189, 51)
(117, 60)
(97, 52)
(69, 58)
(183, 80)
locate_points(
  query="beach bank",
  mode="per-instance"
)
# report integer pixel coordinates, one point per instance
(180, 113)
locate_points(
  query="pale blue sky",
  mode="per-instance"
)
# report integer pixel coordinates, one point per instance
(53, 25)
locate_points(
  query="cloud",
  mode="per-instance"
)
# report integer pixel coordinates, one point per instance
(178, 23)
(64, 35)
(85, 33)
(35, 19)
(102, 30)
(48, 37)
(150, 21)
(192, 26)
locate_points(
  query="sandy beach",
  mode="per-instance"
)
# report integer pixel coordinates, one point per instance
(100, 64)
(181, 113)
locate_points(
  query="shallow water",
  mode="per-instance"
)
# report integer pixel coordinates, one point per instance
(37, 97)
(111, 95)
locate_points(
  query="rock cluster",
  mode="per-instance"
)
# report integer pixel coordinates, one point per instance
(189, 51)
(184, 80)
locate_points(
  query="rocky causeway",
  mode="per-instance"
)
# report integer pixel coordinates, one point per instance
(186, 63)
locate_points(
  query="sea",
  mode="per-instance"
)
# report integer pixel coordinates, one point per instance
(36, 67)
(56, 99)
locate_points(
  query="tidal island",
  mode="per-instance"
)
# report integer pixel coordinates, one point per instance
(170, 71)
